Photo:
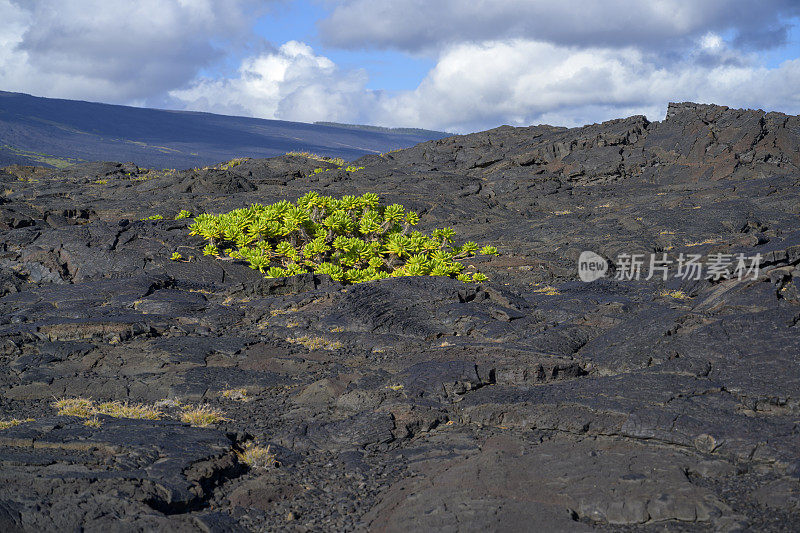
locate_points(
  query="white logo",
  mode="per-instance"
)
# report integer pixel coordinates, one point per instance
(591, 266)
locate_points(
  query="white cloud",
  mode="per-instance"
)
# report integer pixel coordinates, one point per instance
(113, 50)
(711, 41)
(531, 82)
(478, 86)
(291, 83)
(656, 24)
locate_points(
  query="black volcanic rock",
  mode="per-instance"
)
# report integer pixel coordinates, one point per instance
(533, 401)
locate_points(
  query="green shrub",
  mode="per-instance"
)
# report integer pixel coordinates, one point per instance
(183, 214)
(352, 239)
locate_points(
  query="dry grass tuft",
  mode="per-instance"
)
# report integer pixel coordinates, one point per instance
(257, 456)
(5, 424)
(678, 295)
(547, 290)
(316, 343)
(202, 416)
(129, 410)
(93, 422)
(335, 160)
(700, 243)
(86, 408)
(81, 407)
(167, 403)
(237, 395)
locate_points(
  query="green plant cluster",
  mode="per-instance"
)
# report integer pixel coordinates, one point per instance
(352, 239)
(349, 168)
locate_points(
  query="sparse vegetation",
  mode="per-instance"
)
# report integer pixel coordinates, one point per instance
(183, 213)
(150, 174)
(677, 294)
(349, 168)
(93, 422)
(547, 290)
(154, 217)
(257, 457)
(86, 408)
(202, 415)
(237, 395)
(5, 424)
(232, 163)
(45, 159)
(700, 243)
(167, 403)
(338, 161)
(316, 343)
(81, 407)
(352, 239)
(176, 256)
(129, 410)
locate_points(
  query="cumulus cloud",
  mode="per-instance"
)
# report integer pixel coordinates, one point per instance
(476, 86)
(290, 83)
(415, 25)
(114, 50)
(526, 82)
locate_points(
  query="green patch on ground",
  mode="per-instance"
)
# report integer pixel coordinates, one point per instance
(44, 159)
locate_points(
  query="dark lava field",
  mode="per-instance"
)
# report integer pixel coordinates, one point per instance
(531, 402)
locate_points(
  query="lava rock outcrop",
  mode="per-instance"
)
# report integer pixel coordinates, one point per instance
(534, 401)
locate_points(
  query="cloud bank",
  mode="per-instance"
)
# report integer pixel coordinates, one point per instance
(496, 62)
(655, 25)
(111, 50)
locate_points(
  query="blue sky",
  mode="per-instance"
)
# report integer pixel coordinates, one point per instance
(454, 65)
(388, 70)
(791, 50)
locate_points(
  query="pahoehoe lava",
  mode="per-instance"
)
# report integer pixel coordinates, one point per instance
(533, 401)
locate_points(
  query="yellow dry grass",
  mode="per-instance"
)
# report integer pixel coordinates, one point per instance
(81, 407)
(202, 415)
(237, 395)
(5, 424)
(86, 408)
(678, 295)
(257, 456)
(316, 343)
(93, 422)
(129, 410)
(546, 290)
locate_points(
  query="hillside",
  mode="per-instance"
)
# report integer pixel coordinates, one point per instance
(534, 401)
(54, 132)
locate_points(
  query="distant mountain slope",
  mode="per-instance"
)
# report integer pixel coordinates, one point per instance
(46, 131)
(366, 127)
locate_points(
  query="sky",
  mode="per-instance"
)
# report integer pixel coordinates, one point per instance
(449, 65)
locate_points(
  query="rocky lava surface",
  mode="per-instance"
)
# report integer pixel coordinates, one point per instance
(533, 401)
